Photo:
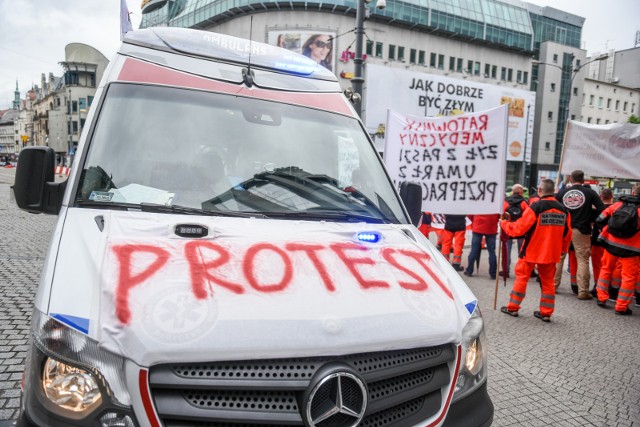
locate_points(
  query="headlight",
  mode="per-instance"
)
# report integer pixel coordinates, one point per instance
(69, 387)
(473, 371)
(69, 380)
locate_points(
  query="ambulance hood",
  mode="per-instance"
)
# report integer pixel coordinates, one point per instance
(252, 288)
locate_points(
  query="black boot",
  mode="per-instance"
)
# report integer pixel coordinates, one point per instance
(457, 267)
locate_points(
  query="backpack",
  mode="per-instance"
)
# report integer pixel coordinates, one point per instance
(514, 210)
(623, 223)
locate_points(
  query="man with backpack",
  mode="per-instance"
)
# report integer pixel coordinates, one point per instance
(546, 227)
(582, 203)
(514, 205)
(621, 240)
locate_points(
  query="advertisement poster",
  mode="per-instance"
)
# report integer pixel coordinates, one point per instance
(317, 45)
(422, 94)
(458, 160)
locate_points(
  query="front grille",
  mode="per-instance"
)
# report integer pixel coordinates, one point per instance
(404, 389)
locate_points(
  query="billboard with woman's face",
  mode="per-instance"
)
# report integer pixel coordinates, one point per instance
(317, 45)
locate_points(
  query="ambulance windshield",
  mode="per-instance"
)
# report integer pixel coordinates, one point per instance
(224, 154)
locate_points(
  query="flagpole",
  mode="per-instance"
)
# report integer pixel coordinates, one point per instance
(498, 240)
(564, 146)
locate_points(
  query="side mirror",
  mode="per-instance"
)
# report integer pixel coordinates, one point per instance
(411, 195)
(34, 188)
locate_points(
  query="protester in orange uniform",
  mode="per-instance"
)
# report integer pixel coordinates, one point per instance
(483, 226)
(425, 224)
(620, 248)
(515, 205)
(547, 230)
(453, 235)
(597, 250)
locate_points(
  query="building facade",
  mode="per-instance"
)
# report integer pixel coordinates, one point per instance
(489, 41)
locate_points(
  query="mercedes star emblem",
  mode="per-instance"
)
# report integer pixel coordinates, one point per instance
(338, 399)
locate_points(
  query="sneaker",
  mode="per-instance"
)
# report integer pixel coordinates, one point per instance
(510, 313)
(585, 297)
(637, 303)
(593, 292)
(627, 312)
(468, 273)
(493, 277)
(541, 317)
(501, 274)
(574, 289)
(457, 267)
(602, 304)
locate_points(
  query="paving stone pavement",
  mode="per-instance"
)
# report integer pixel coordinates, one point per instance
(582, 369)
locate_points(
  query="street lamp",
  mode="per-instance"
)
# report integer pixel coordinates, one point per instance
(358, 78)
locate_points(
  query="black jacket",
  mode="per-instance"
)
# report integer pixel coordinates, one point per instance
(455, 222)
(580, 201)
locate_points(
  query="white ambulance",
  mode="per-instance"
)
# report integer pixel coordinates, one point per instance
(231, 252)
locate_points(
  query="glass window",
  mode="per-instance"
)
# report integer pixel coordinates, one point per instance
(519, 76)
(412, 56)
(526, 77)
(487, 70)
(588, 119)
(379, 47)
(469, 67)
(555, 58)
(392, 51)
(597, 121)
(633, 108)
(591, 97)
(618, 105)
(608, 103)
(547, 146)
(476, 68)
(74, 106)
(441, 62)
(494, 71)
(369, 48)
(89, 100)
(550, 115)
(452, 63)
(74, 125)
(553, 87)
(503, 73)
(599, 102)
(401, 53)
(421, 57)
(459, 65)
(624, 106)
(433, 59)
(510, 75)
(245, 155)
(575, 91)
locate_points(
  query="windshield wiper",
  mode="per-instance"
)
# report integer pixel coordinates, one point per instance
(329, 215)
(174, 209)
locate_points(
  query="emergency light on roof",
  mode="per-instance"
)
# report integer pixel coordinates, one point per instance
(368, 236)
(228, 49)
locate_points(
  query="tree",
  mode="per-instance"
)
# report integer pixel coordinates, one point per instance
(634, 119)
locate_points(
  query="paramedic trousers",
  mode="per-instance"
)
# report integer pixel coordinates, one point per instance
(629, 270)
(455, 239)
(582, 246)
(596, 261)
(523, 274)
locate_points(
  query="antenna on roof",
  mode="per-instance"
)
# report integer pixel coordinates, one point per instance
(247, 75)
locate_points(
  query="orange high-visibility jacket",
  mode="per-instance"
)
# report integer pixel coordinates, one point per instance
(547, 230)
(619, 246)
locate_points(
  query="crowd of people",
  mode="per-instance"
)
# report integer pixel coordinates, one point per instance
(595, 232)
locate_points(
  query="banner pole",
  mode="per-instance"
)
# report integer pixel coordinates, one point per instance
(564, 146)
(495, 294)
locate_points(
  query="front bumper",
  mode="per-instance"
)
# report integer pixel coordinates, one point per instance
(474, 410)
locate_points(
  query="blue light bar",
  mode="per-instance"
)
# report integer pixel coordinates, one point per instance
(369, 236)
(229, 48)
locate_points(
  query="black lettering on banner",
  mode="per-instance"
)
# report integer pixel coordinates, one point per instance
(553, 219)
(451, 154)
(468, 173)
(401, 172)
(417, 170)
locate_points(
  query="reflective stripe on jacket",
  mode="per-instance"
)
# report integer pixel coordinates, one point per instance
(547, 229)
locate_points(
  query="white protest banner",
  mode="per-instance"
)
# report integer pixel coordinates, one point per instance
(431, 95)
(609, 151)
(460, 161)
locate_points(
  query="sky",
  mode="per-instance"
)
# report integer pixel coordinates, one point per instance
(34, 33)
